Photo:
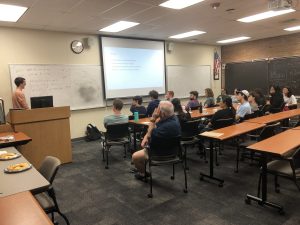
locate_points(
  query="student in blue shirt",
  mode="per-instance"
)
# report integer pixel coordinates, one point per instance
(244, 108)
(153, 104)
(137, 106)
(193, 100)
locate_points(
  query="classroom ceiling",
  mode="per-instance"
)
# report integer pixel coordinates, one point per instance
(88, 16)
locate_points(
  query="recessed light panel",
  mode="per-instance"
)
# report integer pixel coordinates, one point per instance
(119, 26)
(233, 40)
(292, 28)
(179, 4)
(11, 13)
(187, 34)
(264, 15)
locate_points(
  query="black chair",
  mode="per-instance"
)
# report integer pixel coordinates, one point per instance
(277, 110)
(294, 106)
(115, 135)
(165, 151)
(47, 199)
(288, 168)
(264, 110)
(264, 133)
(189, 136)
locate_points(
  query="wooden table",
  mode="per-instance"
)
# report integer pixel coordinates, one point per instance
(19, 139)
(278, 145)
(275, 117)
(225, 134)
(22, 209)
(30, 180)
(296, 128)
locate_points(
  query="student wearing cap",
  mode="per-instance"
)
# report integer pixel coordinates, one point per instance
(137, 106)
(244, 108)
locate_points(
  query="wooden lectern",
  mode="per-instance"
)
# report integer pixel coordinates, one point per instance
(49, 129)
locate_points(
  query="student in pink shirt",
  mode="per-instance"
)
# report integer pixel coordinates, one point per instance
(18, 97)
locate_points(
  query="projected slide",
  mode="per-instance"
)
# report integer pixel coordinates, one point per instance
(132, 67)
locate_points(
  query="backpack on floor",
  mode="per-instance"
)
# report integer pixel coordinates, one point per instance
(92, 133)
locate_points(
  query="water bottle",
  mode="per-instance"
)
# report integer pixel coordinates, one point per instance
(136, 116)
(200, 108)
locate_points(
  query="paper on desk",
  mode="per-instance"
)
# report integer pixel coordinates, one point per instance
(3, 152)
(211, 134)
(7, 138)
(146, 122)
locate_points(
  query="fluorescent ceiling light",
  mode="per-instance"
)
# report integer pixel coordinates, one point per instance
(264, 15)
(233, 39)
(179, 4)
(11, 13)
(119, 26)
(292, 28)
(187, 34)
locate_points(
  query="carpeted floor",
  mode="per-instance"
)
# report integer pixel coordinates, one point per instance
(89, 194)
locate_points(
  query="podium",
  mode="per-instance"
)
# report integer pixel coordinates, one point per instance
(49, 129)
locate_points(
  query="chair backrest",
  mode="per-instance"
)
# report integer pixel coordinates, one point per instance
(268, 131)
(265, 109)
(49, 168)
(250, 116)
(220, 123)
(294, 106)
(117, 131)
(190, 128)
(164, 148)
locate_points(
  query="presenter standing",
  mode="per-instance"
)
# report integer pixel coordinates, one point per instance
(18, 97)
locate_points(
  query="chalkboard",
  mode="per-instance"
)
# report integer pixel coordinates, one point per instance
(183, 79)
(285, 72)
(247, 75)
(77, 86)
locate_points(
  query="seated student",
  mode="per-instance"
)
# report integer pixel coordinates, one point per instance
(288, 97)
(276, 99)
(137, 106)
(193, 100)
(222, 95)
(153, 104)
(117, 116)
(164, 124)
(169, 96)
(210, 101)
(234, 96)
(227, 111)
(260, 97)
(244, 108)
(178, 111)
(252, 100)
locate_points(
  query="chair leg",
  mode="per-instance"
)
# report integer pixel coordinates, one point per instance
(103, 149)
(52, 216)
(63, 216)
(185, 158)
(107, 150)
(185, 180)
(150, 195)
(173, 176)
(277, 190)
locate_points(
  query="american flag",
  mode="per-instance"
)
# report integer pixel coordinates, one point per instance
(217, 65)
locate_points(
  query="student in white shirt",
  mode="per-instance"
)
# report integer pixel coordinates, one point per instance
(245, 108)
(288, 97)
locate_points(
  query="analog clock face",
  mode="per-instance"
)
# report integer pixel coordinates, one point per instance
(77, 46)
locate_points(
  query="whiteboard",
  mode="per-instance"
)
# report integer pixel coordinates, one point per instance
(183, 79)
(77, 86)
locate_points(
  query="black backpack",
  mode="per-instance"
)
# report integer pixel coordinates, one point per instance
(92, 133)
